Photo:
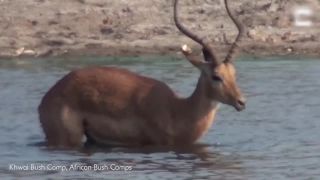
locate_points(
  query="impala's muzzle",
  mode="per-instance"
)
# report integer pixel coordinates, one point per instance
(240, 104)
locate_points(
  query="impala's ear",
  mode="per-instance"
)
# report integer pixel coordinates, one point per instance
(194, 60)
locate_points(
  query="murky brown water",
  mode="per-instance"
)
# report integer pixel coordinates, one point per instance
(276, 137)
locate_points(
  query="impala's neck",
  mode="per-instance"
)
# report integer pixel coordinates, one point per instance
(194, 115)
(199, 104)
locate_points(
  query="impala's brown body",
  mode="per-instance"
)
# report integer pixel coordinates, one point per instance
(110, 105)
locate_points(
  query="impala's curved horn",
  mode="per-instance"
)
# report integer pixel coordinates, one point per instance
(241, 31)
(202, 41)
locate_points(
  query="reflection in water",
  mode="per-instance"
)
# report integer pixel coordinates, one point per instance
(276, 137)
(197, 161)
(188, 159)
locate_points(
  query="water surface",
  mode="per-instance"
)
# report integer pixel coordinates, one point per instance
(276, 137)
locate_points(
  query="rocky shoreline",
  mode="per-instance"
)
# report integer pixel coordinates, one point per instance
(42, 28)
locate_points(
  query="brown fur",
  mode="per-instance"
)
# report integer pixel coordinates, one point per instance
(113, 105)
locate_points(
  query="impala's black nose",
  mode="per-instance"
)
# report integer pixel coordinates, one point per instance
(240, 104)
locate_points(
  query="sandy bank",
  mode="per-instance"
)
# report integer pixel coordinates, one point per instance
(136, 27)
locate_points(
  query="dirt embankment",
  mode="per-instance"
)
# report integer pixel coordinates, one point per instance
(136, 27)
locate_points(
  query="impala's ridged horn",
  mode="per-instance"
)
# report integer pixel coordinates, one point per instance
(208, 50)
(241, 31)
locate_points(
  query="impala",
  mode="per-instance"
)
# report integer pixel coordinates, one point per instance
(114, 106)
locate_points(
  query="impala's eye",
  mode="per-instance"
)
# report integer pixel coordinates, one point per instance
(216, 78)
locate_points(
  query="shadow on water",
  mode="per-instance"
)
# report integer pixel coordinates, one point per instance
(199, 149)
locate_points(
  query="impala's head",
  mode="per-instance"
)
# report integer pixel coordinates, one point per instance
(220, 75)
(220, 78)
